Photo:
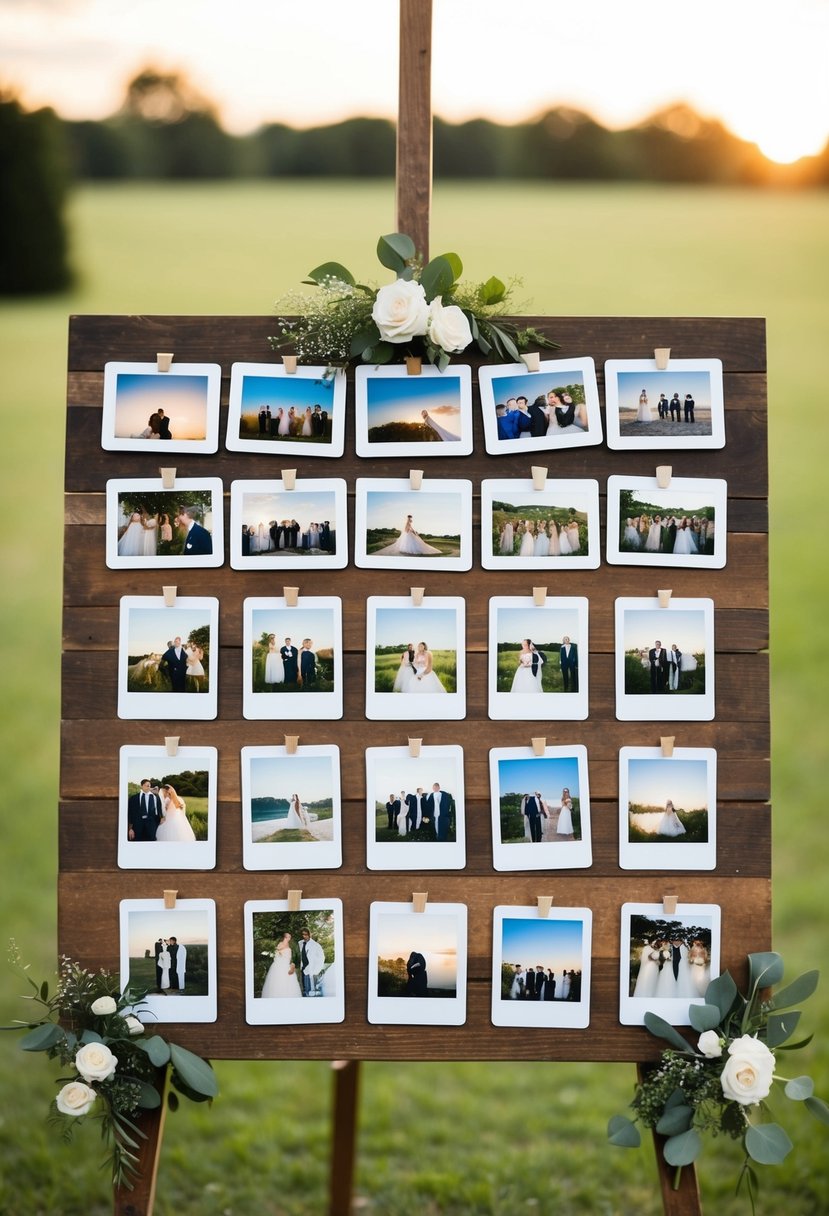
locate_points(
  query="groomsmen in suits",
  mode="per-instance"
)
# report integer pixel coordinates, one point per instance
(529, 985)
(175, 660)
(538, 418)
(658, 662)
(307, 664)
(414, 810)
(540, 984)
(290, 659)
(392, 808)
(569, 656)
(143, 813)
(197, 541)
(439, 803)
(550, 986)
(688, 407)
(675, 407)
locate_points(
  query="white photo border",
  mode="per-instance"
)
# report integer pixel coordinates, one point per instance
(172, 854)
(329, 485)
(162, 447)
(152, 485)
(573, 1015)
(618, 442)
(543, 855)
(554, 494)
(664, 857)
(462, 372)
(191, 706)
(487, 376)
(164, 1008)
(417, 1011)
(396, 707)
(279, 1011)
(296, 706)
(662, 707)
(674, 1010)
(425, 855)
(558, 706)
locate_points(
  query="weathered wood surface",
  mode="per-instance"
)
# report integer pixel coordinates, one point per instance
(413, 171)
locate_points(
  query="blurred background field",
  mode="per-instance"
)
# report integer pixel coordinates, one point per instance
(461, 1139)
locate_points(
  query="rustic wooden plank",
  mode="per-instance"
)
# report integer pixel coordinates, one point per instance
(413, 173)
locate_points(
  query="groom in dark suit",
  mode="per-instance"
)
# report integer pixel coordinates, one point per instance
(290, 657)
(418, 978)
(569, 656)
(197, 540)
(439, 803)
(530, 807)
(143, 813)
(658, 662)
(176, 662)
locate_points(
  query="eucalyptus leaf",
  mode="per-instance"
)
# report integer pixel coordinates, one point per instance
(91, 1036)
(796, 1046)
(172, 1100)
(44, 990)
(42, 1037)
(677, 1098)
(455, 263)
(331, 270)
(158, 1050)
(394, 250)
(721, 992)
(492, 291)
(677, 1119)
(682, 1149)
(704, 1017)
(381, 352)
(148, 1098)
(818, 1108)
(764, 969)
(767, 1143)
(194, 1071)
(506, 343)
(483, 345)
(436, 277)
(799, 1089)
(781, 1026)
(622, 1132)
(795, 992)
(664, 1030)
(364, 340)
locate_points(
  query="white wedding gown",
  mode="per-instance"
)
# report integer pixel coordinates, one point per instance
(554, 544)
(424, 683)
(284, 427)
(405, 676)
(151, 538)
(527, 545)
(684, 542)
(280, 981)
(296, 819)
(306, 424)
(670, 825)
(648, 972)
(542, 545)
(506, 541)
(524, 680)
(408, 544)
(564, 827)
(573, 538)
(274, 668)
(667, 986)
(644, 412)
(131, 543)
(564, 545)
(176, 825)
(447, 436)
(631, 537)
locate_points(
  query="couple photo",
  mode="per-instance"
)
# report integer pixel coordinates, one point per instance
(294, 953)
(150, 525)
(404, 664)
(417, 956)
(528, 667)
(538, 799)
(161, 406)
(160, 663)
(670, 959)
(667, 670)
(168, 951)
(157, 812)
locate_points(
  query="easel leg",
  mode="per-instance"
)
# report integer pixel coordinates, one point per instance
(141, 1199)
(344, 1136)
(685, 1199)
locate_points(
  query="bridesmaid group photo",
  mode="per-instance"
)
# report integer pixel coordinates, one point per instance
(666, 521)
(670, 958)
(527, 529)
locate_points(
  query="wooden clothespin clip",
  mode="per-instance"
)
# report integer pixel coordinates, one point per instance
(539, 596)
(545, 902)
(539, 476)
(539, 745)
(417, 596)
(414, 365)
(663, 475)
(291, 742)
(294, 900)
(289, 363)
(419, 900)
(531, 360)
(168, 479)
(163, 361)
(664, 598)
(415, 479)
(661, 357)
(289, 479)
(171, 744)
(667, 745)
(170, 899)
(414, 748)
(169, 594)
(669, 905)
(290, 594)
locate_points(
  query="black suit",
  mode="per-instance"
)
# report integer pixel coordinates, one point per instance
(570, 667)
(308, 667)
(173, 951)
(164, 428)
(565, 415)
(159, 945)
(144, 815)
(176, 667)
(198, 542)
(418, 981)
(538, 420)
(659, 668)
(550, 988)
(530, 985)
(290, 658)
(411, 812)
(392, 809)
(438, 805)
(688, 406)
(533, 812)
(325, 537)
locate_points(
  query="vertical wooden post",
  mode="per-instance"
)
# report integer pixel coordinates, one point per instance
(414, 123)
(343, 1149)
(683, 1199)
(141, 1199)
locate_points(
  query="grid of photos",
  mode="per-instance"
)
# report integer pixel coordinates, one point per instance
(170, 953)
(417, 965)
(667, 960)
(168, 657)
(681, 407)
(415, 809)
(540, 808)
(398, 527)
(148, 527)
(292, 659)
(415, 666)
(541, 967)
(273, 528)
(683, 525)
(294, 962)
(556, 528)
(300, 413)
(664, 660)
(429, 414)
(173, 411)
(291, 812)
(555, 407)
(167, 808)
(667, 809)
(537, 658)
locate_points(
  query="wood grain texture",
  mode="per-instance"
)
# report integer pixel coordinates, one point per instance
(413, 173)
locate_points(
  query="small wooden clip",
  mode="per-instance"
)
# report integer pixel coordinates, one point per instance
(539, 596)
(171, 744)
(669, 905)
(289, 363)
(291, 742)
(664, 598)
(661, 355)
(169, 594)
(170, 899)
(417, 596)
(294, 900)
(531, 360)
(539, 745)
(539, 476)
(663, 475)
(414, 748)
(290, 595)
(414, 365)
(168, 478)
(419, 900)
(415, 479)
(667, 745)
(289, 479)
(545, 902)
(163, 361)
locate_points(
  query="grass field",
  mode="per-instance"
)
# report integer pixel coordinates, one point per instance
(616, 249)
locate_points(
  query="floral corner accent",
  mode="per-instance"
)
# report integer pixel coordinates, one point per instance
(721, 1085)
(89, 1027)
(425, 312)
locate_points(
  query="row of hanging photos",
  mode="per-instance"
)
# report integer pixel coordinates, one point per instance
(291, 595)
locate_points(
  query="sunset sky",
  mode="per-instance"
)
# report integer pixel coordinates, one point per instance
(304, 506)
(653, 782)
(402, 399)
(435, 514)
(280, 776)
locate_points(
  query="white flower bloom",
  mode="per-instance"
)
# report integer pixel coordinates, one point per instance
(709, 1044)
(400, 311)
(95, 1062)
(448, 327)
(133, 1025)
(75, 1098)
(103, 1006)
(748, 1072)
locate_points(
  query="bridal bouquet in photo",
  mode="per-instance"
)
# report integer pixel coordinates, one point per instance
(721, 1084)
(113, 1061)
(425, 312)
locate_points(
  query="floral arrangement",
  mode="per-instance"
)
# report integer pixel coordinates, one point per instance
(424, 312)
(721, 1085)
(86, 1025)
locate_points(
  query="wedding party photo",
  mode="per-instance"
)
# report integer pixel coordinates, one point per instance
(683, 525)
(417, 964)
(294, 962)
(170, 953)
(149, 527)
(167, 808)
(296, 414)
(665, 660)
(667, 809)
(429, 414)
(668, 960)
(291, 812)
(173, 411)
(397, 527)
(418, 668)
(540, 808)
(415, 808)
(555, 407)
(293, 658)
(681, 407)
(167, 657)
(537, 658)
(527, 529)
(541, 966)
(274, 528)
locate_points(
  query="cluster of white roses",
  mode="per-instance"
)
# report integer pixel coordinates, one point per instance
(749, 1070)
(402, 313)
(94, 1062)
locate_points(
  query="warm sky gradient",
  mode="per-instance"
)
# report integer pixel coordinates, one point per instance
(760, 65)
(434, 514)
(191, 928)
(552, 943)
(281, 776)
(306, 508)
(549, 774)
(435, 937)
(404, 398)
(183, 399)
(653, 782)
(151, 628)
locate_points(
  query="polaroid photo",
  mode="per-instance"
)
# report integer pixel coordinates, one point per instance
(415, 809)
(168, 658)
(555, 407)
(664, 660)
(556, 528)
(667, 962)
(540, 808)
(301, 413)
(681, 407)
(170, 953)
(667, 809)
(146, 410)
(294, 962)
(292, 658)
(291, 810)
(272, 528)
(683, 525)
(417, 965)
(167, 808)
(429, 414)
(415, 658)
(148, 527)
(541, 967)
(398, 528)
(538, 658)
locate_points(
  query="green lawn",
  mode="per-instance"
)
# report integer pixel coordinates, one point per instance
(500, 1139)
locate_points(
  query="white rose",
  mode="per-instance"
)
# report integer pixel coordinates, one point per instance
(95, 1062)
(103, 1006)
(709, 1044)
(448, 327)
(75, 1098)
(133, 1025)
(400, 311)
(748, 1072)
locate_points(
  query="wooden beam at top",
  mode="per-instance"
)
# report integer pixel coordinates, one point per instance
(414, 123)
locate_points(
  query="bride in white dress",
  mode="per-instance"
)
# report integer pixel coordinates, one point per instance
(425, 679)
(684, 542)
(527, 541)
(644, 413)
(274, 667)
(648, 970)
(281, 979)
(506, 540)
(306, 423)
(284, 424)
(447, 436)
(175, 825)
(524, 680)
(131, 541)
(631, 535)
(297, 816)
(408, 544)
(150, 535)
(564, 827)
(670, 824)
(163, 963)
(405, 672)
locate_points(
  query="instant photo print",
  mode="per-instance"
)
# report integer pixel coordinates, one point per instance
(417, 965)
(667, 960)
(541, 966)
(429, 414)
(538, 658)
(170, 953)
(147, 410)
(276, 528)
(286, 414)
(555, 528)
(291, 810)
(425, 529)
(540, 808)
(294, 962)
(292, 658)
(680, 407)
(167, 808)
(554, 407)
(415, 817)
(683, 525)
(148, 527)
(168, 657)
